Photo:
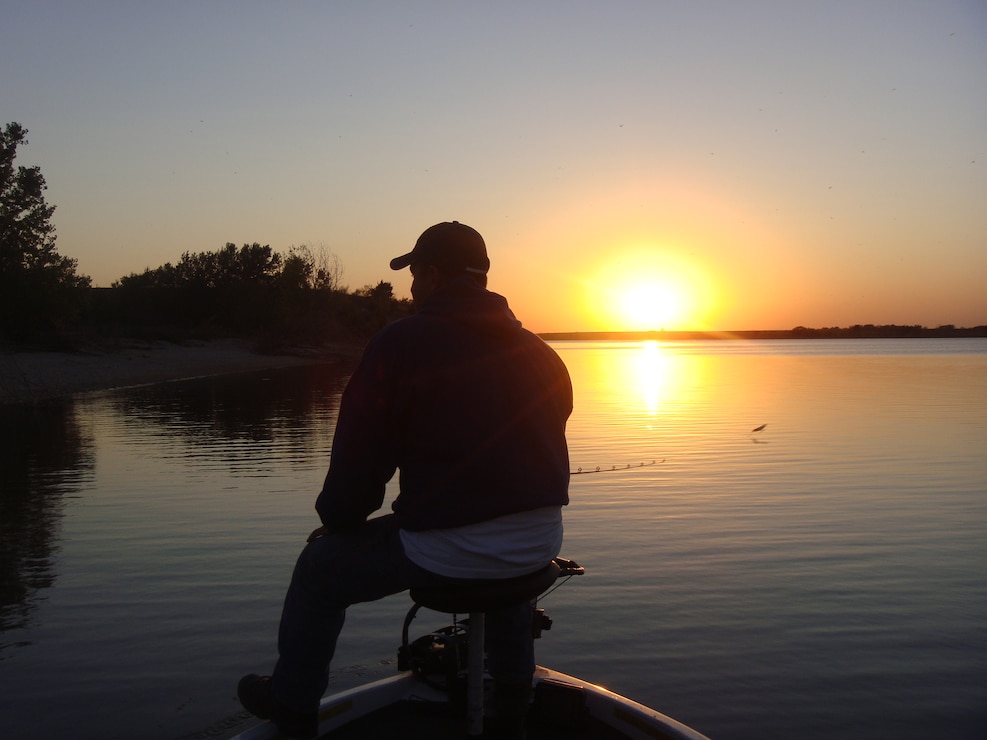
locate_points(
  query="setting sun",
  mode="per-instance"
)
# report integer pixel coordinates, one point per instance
(648, 289)
(650, 304)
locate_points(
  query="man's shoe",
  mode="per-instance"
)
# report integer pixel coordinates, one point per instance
(257, 697)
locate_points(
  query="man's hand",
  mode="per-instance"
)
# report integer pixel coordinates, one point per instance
(317, 533)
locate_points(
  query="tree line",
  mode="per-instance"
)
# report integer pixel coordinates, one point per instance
(250, 291)
(247, 291)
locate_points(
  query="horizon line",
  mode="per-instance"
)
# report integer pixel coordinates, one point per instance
(861, 331)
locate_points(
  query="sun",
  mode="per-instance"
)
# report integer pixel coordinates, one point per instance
(649, 304)
(648, 288)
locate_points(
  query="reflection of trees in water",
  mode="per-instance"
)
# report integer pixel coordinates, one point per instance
(43, 455)
(293, 406)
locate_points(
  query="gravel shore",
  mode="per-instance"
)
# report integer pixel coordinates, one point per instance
(37, 376)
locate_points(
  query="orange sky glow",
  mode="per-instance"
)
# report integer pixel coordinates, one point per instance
(632, 166)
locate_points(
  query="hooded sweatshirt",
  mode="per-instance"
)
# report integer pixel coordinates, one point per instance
(470, 406)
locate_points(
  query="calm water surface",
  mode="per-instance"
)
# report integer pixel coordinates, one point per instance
(822, 577)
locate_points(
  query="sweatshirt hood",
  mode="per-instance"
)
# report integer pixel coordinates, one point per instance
(465, 302)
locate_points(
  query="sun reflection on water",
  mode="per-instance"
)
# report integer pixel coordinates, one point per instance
(654, 379)
(643, 379)
(653, 370)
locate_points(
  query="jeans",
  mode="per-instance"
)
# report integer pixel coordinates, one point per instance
(337, 570)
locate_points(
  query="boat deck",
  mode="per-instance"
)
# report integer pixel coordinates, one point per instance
(424, 720)
(404, 707)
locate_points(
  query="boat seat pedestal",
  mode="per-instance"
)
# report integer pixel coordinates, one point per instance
(476, 599)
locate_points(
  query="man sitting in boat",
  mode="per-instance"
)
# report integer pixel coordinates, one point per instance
(471, 407)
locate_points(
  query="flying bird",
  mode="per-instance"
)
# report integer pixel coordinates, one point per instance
(757, 429)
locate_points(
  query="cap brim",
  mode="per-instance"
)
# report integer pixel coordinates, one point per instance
(399, 263)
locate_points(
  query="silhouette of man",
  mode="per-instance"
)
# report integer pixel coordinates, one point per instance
(471, 408)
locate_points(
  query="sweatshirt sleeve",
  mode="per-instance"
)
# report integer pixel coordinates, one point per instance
(363, 456)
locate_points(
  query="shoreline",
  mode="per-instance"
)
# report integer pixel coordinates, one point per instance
(35, 376)
(857, 332)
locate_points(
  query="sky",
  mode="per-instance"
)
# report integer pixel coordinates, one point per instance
(714, 165)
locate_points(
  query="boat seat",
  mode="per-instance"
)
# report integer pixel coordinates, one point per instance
(476, 599)
(486, 596)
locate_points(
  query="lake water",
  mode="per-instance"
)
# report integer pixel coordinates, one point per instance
(823, 577)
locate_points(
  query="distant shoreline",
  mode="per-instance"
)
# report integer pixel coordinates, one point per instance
(34, 376)
(854, 332)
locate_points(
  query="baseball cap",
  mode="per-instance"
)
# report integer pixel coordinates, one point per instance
(450, 246)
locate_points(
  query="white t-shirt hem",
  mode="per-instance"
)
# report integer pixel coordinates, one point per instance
(505, 547)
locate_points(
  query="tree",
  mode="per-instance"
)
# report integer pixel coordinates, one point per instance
(382, 291)
(328, 273)
(308, 267)
(39, 288)
(296, 272)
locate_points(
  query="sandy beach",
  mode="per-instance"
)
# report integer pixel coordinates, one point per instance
(27, 377)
